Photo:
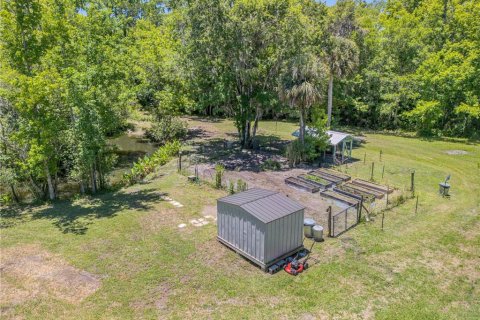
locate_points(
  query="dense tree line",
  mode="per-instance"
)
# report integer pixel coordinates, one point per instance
(72, 71)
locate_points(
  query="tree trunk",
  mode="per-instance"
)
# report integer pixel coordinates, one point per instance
(82, 187)
(330, 100)
(255, 124)
(51, 189)
(36, 190)
(14, 194)
(302, 126)
(94, 179)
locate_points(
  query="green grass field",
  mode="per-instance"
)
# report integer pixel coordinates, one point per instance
(421, 266)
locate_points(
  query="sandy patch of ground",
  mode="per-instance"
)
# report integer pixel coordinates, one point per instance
(316, 206)
(456, 152)
(209, 211)
(28, 272)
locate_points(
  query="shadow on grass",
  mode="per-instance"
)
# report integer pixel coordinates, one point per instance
(74, 216)
(229, 153)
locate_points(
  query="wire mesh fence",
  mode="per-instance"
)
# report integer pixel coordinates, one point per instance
(344, 220)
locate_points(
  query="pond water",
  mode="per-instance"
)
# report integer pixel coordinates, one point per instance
(132, 144)
(129, 149)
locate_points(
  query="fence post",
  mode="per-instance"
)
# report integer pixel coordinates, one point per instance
(383, 218)
(416, 205)
(360, 210)
(387, 196)
(364, 157)
(373, 165)
(179, 161)
(412, 182)
(330, 231)
(346, 219)
(380, 155)
(383, 171)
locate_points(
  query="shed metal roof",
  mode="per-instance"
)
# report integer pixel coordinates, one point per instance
(265, 205)
(335, 137)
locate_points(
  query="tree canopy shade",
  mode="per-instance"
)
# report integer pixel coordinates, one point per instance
(72, 71)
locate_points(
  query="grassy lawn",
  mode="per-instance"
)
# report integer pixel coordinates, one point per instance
(423, 266)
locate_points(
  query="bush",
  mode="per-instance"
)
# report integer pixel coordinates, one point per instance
(241, 185)
(309, 152)
(271, 165)
(219, 170)
(231, 187)
(424, 117)
(167, 128)
(147, 164)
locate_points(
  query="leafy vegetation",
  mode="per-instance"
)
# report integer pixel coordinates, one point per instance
(219, 171)
(148, 164)
(167, 128)
(72, 72)
(271, 164)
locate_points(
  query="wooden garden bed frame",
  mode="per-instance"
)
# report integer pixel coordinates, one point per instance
(364, 190)
(340, 197)
(372, 186)
(335, 174)
(304, 177)
(328, 177)
(299, 183)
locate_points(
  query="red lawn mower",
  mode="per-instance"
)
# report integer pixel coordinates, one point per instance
(296, 265)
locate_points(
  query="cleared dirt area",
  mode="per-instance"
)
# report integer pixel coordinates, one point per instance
(212, 146)
(30, 272)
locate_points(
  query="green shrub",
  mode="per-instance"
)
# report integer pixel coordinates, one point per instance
(271, 165)
(424, 117)
(219, 170)
(5, 199)
(309, 152)
(147, 164)
(167, 128)
(231, 187)
(241, 185)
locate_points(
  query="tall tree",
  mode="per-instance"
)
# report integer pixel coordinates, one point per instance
(300, 88)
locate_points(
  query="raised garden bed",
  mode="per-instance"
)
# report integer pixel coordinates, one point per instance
(372, 185)
(320, 182)
(335, 174)
(339, 197)
(299, 183)
(355, 188)
(354, 193)
(327, 177)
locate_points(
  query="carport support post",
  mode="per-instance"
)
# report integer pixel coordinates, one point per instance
(330, 231)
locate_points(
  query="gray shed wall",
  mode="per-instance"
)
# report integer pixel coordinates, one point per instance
(284, 235)
(241, 230)
(260, 241)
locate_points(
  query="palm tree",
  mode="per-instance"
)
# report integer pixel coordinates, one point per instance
(299, 87)
(341, 59)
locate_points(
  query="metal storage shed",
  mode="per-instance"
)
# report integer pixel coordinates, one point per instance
(264, 226)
